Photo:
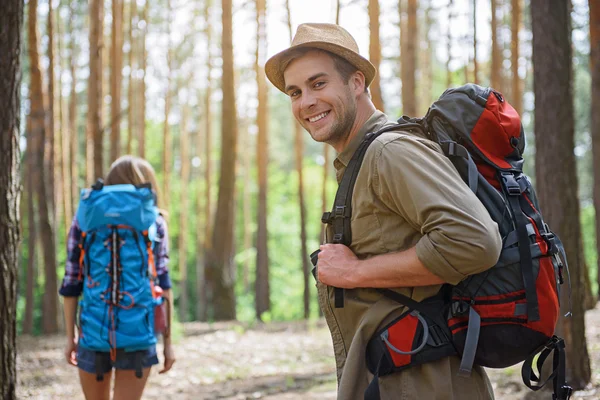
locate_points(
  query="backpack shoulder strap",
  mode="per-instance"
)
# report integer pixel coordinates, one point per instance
(340, 215)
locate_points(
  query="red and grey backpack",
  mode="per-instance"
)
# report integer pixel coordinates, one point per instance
(496, 318)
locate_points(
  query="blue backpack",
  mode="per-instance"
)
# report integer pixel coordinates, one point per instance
(118, 224)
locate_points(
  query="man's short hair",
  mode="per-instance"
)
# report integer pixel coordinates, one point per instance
(343, 67)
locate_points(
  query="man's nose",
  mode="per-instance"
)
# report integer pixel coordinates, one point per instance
(308, 100)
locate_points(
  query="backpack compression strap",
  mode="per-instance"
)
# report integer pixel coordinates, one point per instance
(341, 213)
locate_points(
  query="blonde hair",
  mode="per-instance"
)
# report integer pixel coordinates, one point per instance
(132, 170)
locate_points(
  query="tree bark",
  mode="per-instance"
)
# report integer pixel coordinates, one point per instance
(74, 148)
(94, 113)
(375, 52)
(31, 232)
(595, 114)
(116, 78)
(554, 133)
(49, 145)
(11, 23)
(475, 63)
(263, 298)
(517, 85)
(220, 271)
(496, 62)
(167, 142)
(38, 131)
(183, 213)
(204, 236)
(449, 44)
(427, 63)
(142, 100)
(131, 90)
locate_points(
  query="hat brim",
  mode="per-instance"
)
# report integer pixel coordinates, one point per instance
(276, 65)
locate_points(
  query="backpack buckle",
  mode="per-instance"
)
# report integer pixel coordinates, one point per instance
(459, 308)
(326, 218)
(510, 183)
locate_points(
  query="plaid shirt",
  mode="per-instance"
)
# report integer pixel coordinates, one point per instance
(72, 286)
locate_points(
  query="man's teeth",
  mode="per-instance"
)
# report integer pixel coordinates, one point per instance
(318, 117)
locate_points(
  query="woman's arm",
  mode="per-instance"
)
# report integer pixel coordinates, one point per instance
(70, 312)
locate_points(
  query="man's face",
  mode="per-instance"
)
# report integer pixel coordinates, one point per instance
(323, 103)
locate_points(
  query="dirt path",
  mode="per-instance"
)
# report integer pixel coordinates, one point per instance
(291, 361)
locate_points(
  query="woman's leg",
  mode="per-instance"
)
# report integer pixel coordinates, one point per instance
(128, 386)
(93, 389)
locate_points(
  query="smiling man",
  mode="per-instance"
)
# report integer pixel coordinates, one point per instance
(415, 224)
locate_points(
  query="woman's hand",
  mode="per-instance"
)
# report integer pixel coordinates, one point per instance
(71, 351)
(169, 358)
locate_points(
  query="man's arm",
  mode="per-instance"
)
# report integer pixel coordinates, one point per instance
(339, 267)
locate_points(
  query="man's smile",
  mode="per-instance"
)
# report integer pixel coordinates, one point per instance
(318, 117)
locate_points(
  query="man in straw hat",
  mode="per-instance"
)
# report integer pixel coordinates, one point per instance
(415, 225)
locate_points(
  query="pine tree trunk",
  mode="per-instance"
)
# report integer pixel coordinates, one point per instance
(595, 113)
(220, 271)
(142, 99)
(131, 90)
(167, 142)
(475, 63)
(245, 138)
(11, 23)
(496, 63)
(64, 138)
(74, 148)
(427, 68)
(516, 90)
(94, 112)
(449, 44)
(263, 302)
(31, 234)
(204, 238)
(183, 212)
(375, 52)
(49, 145)
(115, 78)
(38, 132)
(554, 132)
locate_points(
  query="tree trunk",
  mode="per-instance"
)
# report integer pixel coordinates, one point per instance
(131, 105)
(38, 132)
(29, 173)
(475, 63)
(517, 85)
(449, 44)
(263, 301)
(11, 22)
(94, 113)
(204, 238)
(64, 138)
(427, 66)
(167, 142)
(74, 148)
(595, 114)
(247, 172)
(183, 213)
(142, 99)
(496, 63)
(115, 78)
(220, 271)
(375, 52)
(49, 145)
(554, 132)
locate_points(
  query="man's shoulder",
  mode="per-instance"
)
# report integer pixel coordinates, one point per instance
(400, 140)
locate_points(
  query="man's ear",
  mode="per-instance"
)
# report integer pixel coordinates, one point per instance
(357, 81)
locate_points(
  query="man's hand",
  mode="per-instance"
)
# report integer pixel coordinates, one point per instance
(337, 266)
(169, 358)
(71, 351)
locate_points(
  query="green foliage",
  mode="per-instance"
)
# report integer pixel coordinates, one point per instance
(588, 231)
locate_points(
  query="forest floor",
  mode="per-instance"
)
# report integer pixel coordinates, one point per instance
(287, 361)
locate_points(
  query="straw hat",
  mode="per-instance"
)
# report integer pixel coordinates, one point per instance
(329, 37)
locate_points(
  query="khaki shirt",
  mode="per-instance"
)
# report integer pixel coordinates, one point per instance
(407, 194)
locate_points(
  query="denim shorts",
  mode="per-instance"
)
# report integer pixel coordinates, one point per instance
(86, 360)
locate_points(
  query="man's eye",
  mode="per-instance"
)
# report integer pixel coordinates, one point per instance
(295, 93)
(319, 84)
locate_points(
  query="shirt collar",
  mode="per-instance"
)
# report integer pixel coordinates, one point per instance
(373, 124)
